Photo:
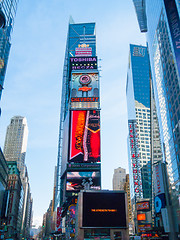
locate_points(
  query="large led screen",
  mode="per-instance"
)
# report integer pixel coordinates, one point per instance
(85, 136)
(83, 63)
(104, 210)
(77, 181)
(84, 85)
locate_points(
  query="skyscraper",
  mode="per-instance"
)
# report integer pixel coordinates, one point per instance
(138, 103)
(16, 142)
(143, 140)
(7, 14)
(160, 19)
(119, 178)
(78, 165)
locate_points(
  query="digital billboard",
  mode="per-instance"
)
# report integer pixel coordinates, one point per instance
(83, 63)
(141, 216)
(104, 210)
(84, 89)
(77, 181)
(143, 206)
(85, 136)
(83, 50)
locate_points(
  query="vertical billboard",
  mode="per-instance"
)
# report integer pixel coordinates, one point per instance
(85, 136)
(135, 162)
(159, 188)
(59, 219)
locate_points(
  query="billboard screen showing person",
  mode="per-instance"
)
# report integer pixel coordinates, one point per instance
(77, 181)
(85, 136)
(104, 209)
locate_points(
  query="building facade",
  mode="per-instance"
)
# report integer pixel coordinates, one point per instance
(119, 178)
(127, 190)
(4, 194)
(7, 15)
(14, 187)
(3, 181)
(161, 19)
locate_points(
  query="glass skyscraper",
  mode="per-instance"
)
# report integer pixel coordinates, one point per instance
(8, 10)
(138, 104)
(138, 101)
(161, 19)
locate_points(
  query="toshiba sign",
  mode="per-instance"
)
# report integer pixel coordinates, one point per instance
(158, 179)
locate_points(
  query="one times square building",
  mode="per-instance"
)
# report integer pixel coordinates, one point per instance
(160, 19)
(78, 165)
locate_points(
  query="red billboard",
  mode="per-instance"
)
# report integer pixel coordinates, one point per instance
(59, 219)
(85, 136)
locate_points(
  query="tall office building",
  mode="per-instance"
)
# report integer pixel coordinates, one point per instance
(7, 14)
(15, 151)
(138, 103)
(119, 178)
(78, 165)
(160, 19)
(16, 142)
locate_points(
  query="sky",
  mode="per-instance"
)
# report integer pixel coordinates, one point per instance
(33, 83)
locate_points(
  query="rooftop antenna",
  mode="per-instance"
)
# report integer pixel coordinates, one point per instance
(71, 20)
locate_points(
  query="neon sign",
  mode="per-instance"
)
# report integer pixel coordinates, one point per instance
(84, 99)
(104, 210)
(83, 63)
(133, 140)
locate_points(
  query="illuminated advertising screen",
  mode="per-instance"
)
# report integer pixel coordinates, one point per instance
(84, 90)
(143, 206)
(141, 216)
(104, 209)
(77, 181)
(83, 50)
(83, 63)
(85, 136)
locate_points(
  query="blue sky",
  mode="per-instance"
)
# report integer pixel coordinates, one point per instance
(34, 77)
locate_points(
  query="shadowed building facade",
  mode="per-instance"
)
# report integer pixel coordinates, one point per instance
(160, 19)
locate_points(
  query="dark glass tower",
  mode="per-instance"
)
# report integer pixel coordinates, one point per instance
(78, 163)
(138, 99)
(7, 14)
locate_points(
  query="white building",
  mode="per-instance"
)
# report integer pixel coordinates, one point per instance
(16, 141)
(119, 178)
